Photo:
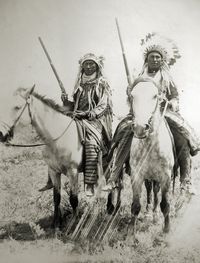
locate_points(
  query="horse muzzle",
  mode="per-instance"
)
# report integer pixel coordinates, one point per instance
(140, 131)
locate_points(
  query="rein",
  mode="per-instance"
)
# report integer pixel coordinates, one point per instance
(39, 144)
(24, 145)
(15, 122)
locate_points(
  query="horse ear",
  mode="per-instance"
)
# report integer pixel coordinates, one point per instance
(32, 89)
(29, 91)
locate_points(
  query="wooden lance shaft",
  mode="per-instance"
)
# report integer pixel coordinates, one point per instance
(52, 66)
(124, 55)
(128, 91)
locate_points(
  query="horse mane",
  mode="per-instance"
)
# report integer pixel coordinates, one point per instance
(49, 102)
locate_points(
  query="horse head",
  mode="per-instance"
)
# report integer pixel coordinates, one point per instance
(19, 102)
(145, 101)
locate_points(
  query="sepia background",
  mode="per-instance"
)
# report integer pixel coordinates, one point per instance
(69, 29)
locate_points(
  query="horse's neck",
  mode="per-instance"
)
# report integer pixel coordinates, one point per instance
(157, 121)
(160, 130)
(158, 141)
(48, 122)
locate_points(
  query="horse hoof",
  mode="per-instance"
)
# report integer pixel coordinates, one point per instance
(57, 232)
(166, 229)
(73, 199)
(187, 188)
(89, 190)
(191, 190)
(107, 188)
(75, 212)
(56, 225)
(110, 209)
(45, 188)
(89, 193)
(148, 215)
(118, 206)
(132, 240)
(155, 218)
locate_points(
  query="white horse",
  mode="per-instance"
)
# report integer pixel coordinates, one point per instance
(63, 149)
(151, 153)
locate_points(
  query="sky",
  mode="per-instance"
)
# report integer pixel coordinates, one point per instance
(71, 28)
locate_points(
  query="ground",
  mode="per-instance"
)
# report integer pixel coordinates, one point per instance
(26, 215)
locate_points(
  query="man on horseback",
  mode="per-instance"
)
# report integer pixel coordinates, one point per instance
(157, 60)
(92, 110)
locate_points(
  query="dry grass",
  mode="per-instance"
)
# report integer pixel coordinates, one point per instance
(25, 220)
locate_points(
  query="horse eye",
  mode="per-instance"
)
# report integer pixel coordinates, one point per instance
(155, 96)
(17, 108)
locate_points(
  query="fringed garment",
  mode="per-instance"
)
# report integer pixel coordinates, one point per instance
(94, 95)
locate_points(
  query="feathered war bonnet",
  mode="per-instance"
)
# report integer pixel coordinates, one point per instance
(154, 42)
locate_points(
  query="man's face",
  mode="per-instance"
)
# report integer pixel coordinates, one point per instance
(89, 67)
(154, 61)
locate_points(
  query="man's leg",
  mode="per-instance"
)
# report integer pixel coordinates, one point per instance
(184, 161)
(176, 121)
(90, 174)
(120, 158)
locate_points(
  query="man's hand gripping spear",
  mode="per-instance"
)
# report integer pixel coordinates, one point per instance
(69, 106)
(64, 95)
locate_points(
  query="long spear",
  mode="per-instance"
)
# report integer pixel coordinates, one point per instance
(123, 54)
(129, 88)
(52, 66)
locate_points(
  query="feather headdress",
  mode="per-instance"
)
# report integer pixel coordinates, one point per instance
(90, 56)
(165, 46)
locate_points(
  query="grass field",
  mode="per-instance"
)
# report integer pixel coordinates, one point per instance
(26, 215)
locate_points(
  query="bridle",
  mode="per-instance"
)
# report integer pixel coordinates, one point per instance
(27, 104)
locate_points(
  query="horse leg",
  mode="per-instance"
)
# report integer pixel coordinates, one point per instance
(109, 205)
(119, 189)
(165, 208)
(148, 185)
(73, 199)
(156, 189)
(135, 207)
(135, 210)
(184, 159)
(56, 180)
(72, 172)
(111, 208)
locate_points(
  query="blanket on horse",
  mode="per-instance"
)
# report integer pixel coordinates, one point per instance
(120, 148)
